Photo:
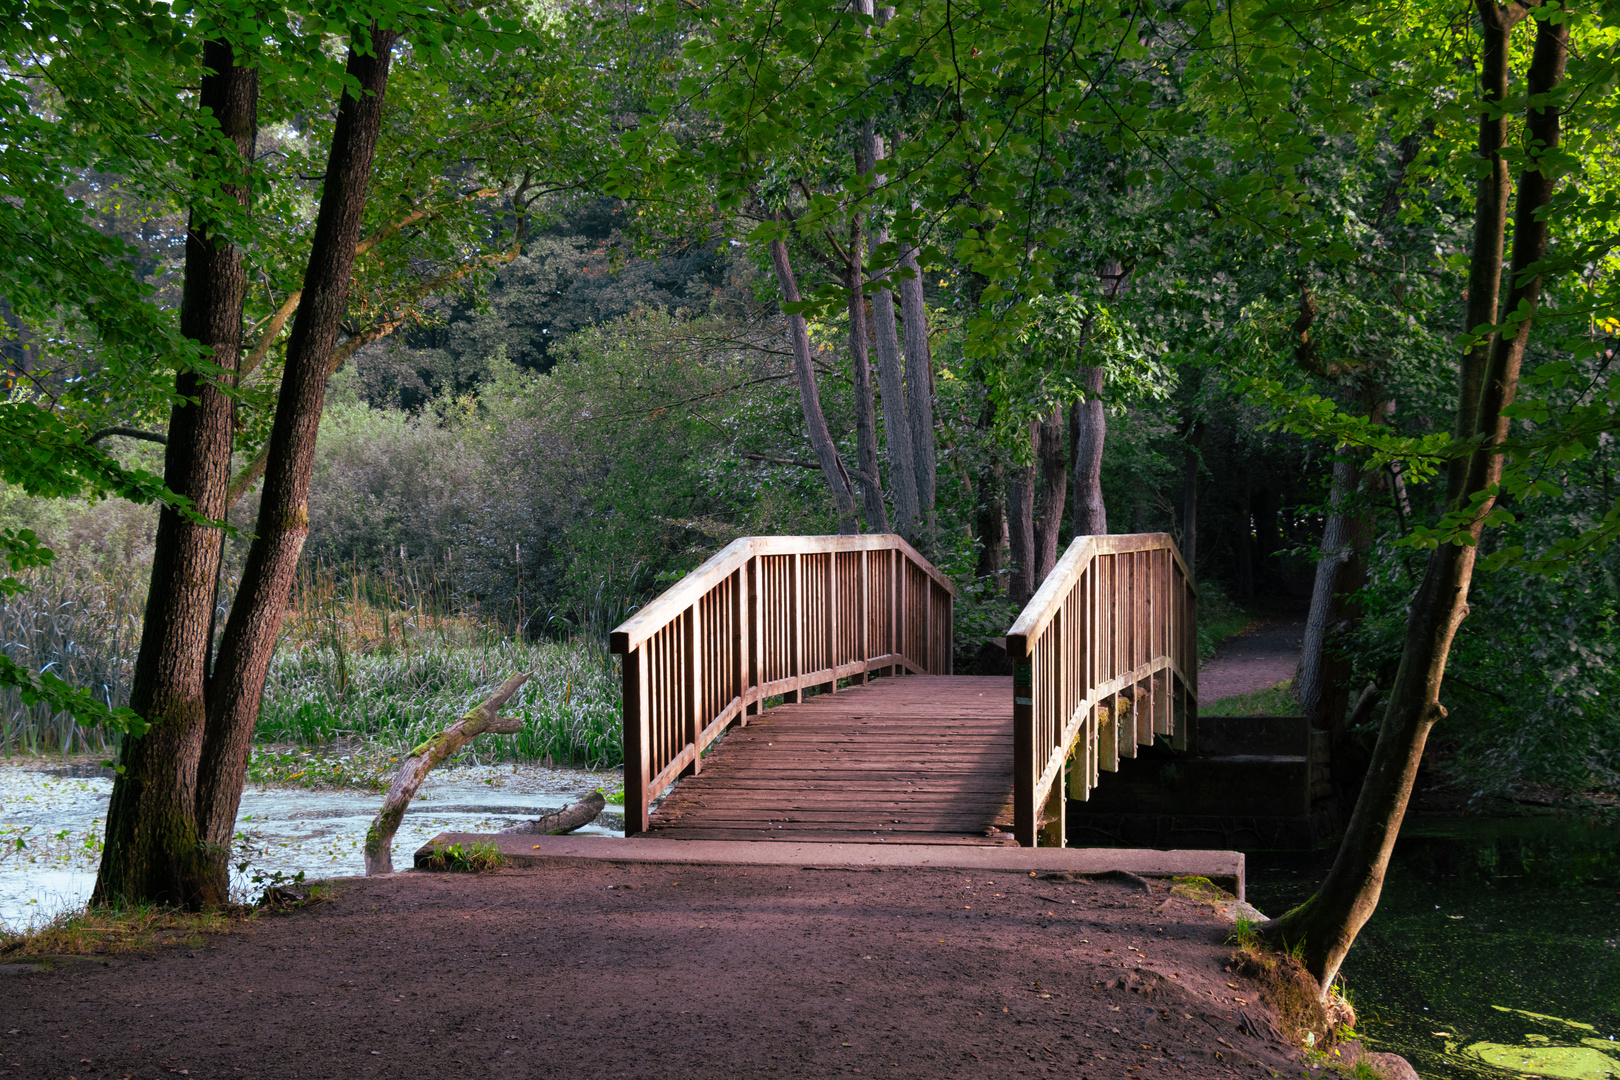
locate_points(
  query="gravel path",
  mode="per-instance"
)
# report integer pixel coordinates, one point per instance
(1262, 656)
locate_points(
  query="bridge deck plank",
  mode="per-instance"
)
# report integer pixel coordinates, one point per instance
(919, 759)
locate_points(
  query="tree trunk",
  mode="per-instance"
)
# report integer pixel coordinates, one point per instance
(886, 343)
(1052, 452)
(1324, 671)
(877, 514)
(143, 859)
(1326, 925)
(156, 841)
(991, 522)
(821, 441)
(1021, 529)
(919, 390)
(422, 760)
(1495, 188)
(1189, 497)
(1088, 426)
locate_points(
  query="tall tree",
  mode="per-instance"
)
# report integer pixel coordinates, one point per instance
(174, 800)
(1326, 925)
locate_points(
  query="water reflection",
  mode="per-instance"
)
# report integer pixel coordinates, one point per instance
(1489, 933)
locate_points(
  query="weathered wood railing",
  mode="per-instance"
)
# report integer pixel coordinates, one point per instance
(768, 616)
(1105, 657)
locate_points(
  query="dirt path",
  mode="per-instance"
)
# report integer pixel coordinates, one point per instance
(603, 970)
(1261, 656)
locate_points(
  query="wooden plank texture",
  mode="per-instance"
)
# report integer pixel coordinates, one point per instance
(918, 759)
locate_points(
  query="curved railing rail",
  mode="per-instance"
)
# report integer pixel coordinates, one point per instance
(1105, 657)
(768, 615)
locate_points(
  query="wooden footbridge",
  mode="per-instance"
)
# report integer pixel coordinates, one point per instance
(869, 735)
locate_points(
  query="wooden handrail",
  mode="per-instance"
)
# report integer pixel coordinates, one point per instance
(767, 616)
(1105, 657)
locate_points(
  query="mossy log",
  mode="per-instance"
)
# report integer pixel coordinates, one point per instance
(421, 760)
(563, 821)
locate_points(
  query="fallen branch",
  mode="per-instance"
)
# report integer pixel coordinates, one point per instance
(563, 821)
(421, 760)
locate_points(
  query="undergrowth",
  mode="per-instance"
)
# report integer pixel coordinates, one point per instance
(103, 931)
(364, 670)
(1219, 618)
(1277, 700)
(480, 858)
(570, 707)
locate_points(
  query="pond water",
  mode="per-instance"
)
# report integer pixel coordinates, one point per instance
(1495, 949)
(53, 814)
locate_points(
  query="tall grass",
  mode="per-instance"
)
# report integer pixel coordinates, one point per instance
(379, 660)
(83, 627)
(570, 707)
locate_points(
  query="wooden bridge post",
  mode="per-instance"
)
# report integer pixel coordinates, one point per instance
(636, 773)
(1025, 812)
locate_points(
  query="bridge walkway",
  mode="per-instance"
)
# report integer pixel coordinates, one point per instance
(919, 759)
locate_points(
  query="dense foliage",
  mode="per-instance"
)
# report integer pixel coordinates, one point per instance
(569, 374)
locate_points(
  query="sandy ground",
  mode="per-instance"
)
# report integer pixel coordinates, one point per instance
(610, 970)
(1255, 659)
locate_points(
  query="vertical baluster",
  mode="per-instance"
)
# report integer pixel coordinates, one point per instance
(794, 618)
(900, 619)
(753, 666)
(830, 587)
(863, 617)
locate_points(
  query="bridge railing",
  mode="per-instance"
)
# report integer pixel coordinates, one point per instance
(1105, 657)
(768, 616)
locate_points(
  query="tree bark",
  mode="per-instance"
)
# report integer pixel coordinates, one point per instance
(283, 523)
(821, 441)
(168, 851)
(891, 382)
(1088, 425)
(1326, 925)
(991, 520)
(1021, 529)
(155, 841)
(876, 513)
(1324, 672)
(1189, 497)
(421, 761)
(1495, 188)
(919, 390)
(1054, 490)
(564, 821)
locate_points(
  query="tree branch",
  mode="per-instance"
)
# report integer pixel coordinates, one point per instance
(128, 433)
(421, 760)
(782, 461)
